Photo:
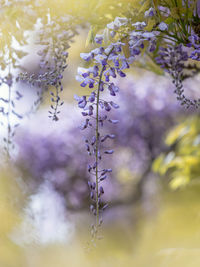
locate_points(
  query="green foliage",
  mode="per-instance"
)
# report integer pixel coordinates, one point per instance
(182, 162)
(179, 15)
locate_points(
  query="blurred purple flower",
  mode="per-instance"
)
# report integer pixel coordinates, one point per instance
(56, 153)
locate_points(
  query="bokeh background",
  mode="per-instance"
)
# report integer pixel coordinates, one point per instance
(153, 193)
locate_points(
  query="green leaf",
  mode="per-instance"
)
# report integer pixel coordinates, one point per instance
(91, 36)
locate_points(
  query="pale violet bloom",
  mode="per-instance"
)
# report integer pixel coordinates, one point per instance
(86, 56)
(163, 26)
(79, 78)
(81, 70)
(134, 34)
(117, 43)
(85, 81)
(101, 59)
(165, 11)
(84, 72)
(110, 47)
(117, 23)
(97, 51)
(84, 76)
(134, 43)
(148, 35)
(156, 33)
(98, 38)
(139, 25)
(149, 13)
(112, 34)
(112, 26)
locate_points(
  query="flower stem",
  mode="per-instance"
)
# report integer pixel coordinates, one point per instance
(8, 116)
(97, 147)
(8, 123)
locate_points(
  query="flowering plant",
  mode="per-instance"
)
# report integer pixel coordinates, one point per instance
(158, 34)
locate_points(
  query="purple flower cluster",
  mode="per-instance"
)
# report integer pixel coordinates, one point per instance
(150, 12)
(51, 154)
(55, 38)
(9, 112)
(138, 38)
(54, 153)
(108, 63)
(195, 43)
(146, 118)
(172, 59)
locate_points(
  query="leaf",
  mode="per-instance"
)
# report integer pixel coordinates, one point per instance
(174, 13)
(125, 48)
(178, 132)
(151, 23)
(91, 36)
(169, 20)
(179, 181)
(156, 2)
(152, 66)
(106, 35)
(145, 6)
(157, 164)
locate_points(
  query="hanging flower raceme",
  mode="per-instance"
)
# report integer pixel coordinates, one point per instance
(172, 60)
(55, 37)
(9, 112)
(195, 43)
(108, 63)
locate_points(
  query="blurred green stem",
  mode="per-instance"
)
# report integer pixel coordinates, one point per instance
(97, 147)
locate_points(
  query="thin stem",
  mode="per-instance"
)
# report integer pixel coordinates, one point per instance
(8, 116)
(97, 147)
(56, 106)
(97, 139)
(8, 122)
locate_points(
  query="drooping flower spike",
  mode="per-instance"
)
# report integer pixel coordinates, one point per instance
(107, 63)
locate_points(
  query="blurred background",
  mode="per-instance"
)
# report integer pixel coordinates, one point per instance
(153, 192)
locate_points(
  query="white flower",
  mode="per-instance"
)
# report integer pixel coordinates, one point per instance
(100, 58)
